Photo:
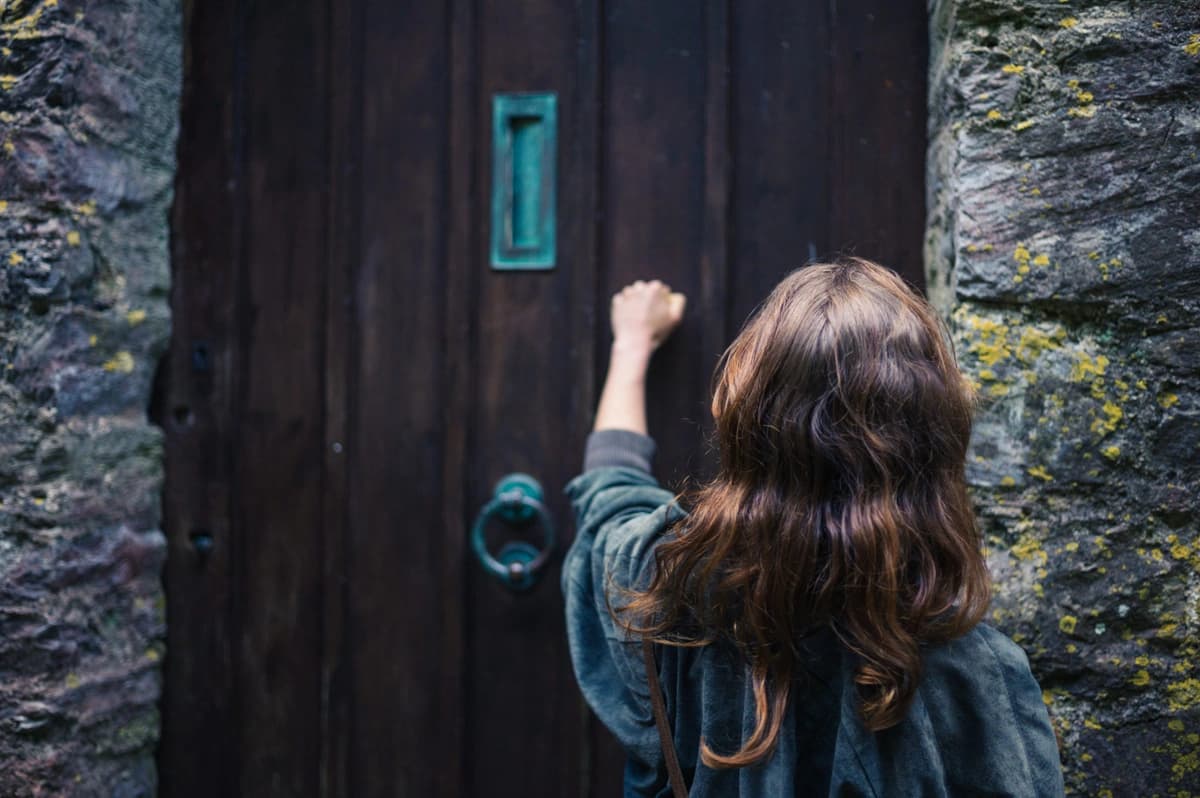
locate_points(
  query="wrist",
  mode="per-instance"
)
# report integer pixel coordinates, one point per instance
(633, 349)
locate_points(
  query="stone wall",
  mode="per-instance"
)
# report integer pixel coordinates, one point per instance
(88, 118)
(1064, 247)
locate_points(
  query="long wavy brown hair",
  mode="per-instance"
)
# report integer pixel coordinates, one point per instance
(842, 423)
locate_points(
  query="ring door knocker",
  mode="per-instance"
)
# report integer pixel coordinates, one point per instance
(516, 500)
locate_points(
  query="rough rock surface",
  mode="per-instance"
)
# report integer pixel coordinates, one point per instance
(88, 118)
(1064, 248)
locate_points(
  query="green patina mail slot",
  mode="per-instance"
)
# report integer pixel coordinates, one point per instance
(524, 150)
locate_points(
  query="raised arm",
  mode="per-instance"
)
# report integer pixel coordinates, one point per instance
(643, 315)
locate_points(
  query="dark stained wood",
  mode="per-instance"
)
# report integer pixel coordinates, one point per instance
(371, 377)
(460, 297)
(877, 123)
(601, 759)
(345, 103)
(655, 203)
(522, 737)
(781, 147)
(278, 394)
(198, 753)
(395, 436)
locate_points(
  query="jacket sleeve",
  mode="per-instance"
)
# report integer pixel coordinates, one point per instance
(620, 512)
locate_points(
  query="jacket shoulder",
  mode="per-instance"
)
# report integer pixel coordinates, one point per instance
(979, 687)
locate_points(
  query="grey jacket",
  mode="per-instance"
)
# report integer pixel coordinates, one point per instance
(977, 726)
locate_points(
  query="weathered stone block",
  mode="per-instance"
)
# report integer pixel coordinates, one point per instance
(88, 113)
(1064, 196)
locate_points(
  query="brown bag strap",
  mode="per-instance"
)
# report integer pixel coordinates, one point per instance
(678, 785)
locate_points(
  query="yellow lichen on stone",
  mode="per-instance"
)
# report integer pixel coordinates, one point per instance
(1012, 69)
(1112, 417)
(1084, 97)
(1183, 695)
(1068, 22)
(992, 344)
(1087, 367)
(1141, 678)
(1034, 342)
(1024, 124)
(1067, 624)
(73, 238)
(1175, 725)
(1008, 481)
(1042, 259)
(1192, 47)
(3, 206)
(8, 81)
(1040, 472)
(136, 316)
(1112, 452)
(15, 259)
(122, 361)
(994, 115)
(1082, 111)
(1029, 547)
(1167, 400)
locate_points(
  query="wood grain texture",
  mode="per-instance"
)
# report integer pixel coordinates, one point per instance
(654, 173)
(394, 441)
(780, 173)
(278, 395)
(524, 715)
(877, 133)
(196, 409)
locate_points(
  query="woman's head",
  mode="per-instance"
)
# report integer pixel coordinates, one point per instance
(842, 423)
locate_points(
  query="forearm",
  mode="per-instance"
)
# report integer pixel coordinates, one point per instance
(623, 399)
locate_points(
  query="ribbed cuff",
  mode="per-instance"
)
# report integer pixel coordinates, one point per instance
(618, 447)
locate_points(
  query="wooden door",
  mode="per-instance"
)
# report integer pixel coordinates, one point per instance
(348, 376)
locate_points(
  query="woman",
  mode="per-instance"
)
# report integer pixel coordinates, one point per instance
(816, 607)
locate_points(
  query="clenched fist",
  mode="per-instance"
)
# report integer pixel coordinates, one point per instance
(644, 313)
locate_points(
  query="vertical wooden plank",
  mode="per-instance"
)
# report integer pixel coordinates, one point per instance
(463, 237)
(345, 206)
(523, 725)
(601, 760)
(279, 414)
(781, 145)
(194, 404)
(877, 122)
(657, 104)
(715, 261)
(395, 438)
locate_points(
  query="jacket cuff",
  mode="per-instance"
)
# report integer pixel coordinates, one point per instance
(618, 447)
